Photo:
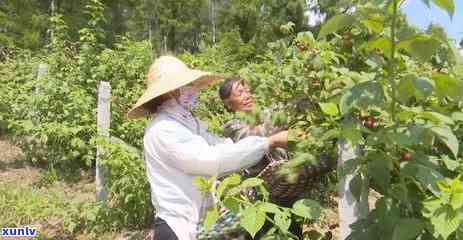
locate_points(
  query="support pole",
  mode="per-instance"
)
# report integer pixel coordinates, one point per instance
(350, 210)
(103, 124)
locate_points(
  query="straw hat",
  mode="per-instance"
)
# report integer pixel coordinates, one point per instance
(166, 74)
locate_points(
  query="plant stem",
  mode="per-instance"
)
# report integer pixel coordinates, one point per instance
(392, 71)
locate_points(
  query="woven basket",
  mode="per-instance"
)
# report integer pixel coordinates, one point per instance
(282, 190)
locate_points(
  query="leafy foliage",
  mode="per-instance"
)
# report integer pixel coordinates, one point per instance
(368, 78)
(254, 214)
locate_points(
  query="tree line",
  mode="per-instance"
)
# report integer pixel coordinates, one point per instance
(169, 25)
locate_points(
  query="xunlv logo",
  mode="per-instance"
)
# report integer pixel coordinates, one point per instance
(18, 232)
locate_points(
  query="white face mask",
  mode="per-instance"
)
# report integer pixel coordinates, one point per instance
(188, 97)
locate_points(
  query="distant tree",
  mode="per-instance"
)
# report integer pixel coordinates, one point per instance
(23, 23)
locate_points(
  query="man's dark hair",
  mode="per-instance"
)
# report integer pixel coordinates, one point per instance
(227, 86)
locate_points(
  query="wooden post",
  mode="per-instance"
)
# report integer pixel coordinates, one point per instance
(103, 123)
(350, 210)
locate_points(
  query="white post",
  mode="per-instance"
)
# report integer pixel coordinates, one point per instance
(165, 44)
(350, 210)
(53, 11)
(103, 123)
(42, 70)
(212, 19)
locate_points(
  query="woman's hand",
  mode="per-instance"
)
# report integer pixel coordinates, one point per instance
(301, 135)
(279, 140)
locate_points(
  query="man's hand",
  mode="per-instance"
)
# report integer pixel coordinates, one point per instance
(279, 140)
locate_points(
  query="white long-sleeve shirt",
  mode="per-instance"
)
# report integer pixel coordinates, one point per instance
(175, 155)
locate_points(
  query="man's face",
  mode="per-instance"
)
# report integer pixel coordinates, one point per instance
(240, 98)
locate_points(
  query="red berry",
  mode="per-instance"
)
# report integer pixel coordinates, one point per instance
(301, 46)
(406, 156)
(369, 124)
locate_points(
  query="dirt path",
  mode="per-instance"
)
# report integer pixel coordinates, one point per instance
(13, 169)
(8, 152)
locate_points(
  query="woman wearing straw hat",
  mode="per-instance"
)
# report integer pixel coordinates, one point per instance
(178, 148)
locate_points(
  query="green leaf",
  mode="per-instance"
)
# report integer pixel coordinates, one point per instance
(299, 159)
(447, 5)
(383, 44)
(336, 23)
(427, 176)
(269, 207)
(356, 186)
(252, 182)
(232, 204)
(405, 115)
(293, 139)
(426, 2)
(330, 134)
(348, 167)
(211, 217)
(412, 86)
(252, 220)
(447, 86)
(446, 221)
(306, 38)
(430, 206)
(456, 199)
(407, 228)
(307, 208)
(283, 220)
(329, 109)
(362, 95)
(351, 132)
(230, 181)
(457, 116)
(374, 25)
(288, 27)
(27, 125)
(403, 139)
(451, 165)
(234, 191)
(446, 135)
(421, 47)
(204, 185)
(380, 170)
(435, 117)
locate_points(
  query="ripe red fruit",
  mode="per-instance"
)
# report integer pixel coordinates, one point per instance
(369, 124)
(406, 156)
(301, 46)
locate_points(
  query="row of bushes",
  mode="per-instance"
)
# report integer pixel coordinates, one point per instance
(52, 118)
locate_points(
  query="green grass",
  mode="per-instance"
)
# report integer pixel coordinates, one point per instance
(22, 205)
(49, 210)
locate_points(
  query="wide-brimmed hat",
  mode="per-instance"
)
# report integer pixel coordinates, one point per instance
(166, 74)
